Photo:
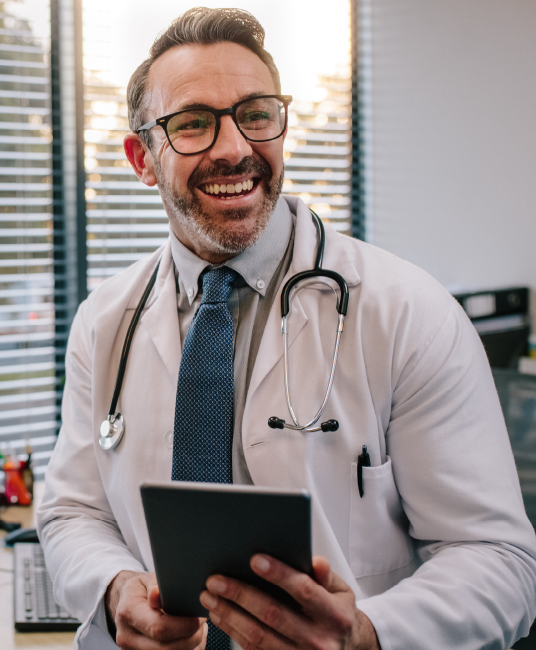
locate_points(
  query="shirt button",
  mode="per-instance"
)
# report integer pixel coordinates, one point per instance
(190, 293)
(168, 437)
(260, 284)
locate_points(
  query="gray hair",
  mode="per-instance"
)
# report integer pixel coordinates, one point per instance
(199, 26)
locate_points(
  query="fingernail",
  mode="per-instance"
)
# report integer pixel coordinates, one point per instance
(217, 585)
(261, 563)
(208, 600)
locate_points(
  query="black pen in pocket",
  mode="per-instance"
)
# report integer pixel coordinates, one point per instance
(363, 460)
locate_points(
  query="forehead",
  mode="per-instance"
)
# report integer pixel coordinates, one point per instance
(217, 75)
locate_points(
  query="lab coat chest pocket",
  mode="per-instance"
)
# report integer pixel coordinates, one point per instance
(379, 541)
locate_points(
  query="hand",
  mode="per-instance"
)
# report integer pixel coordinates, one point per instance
(133, 605)
(328, 619)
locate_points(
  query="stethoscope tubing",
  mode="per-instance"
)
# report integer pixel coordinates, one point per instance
(309, 425)
(128, 341)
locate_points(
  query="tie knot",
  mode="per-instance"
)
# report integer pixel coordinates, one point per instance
(217, 285)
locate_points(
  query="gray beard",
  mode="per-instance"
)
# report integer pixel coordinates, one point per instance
(188, 212)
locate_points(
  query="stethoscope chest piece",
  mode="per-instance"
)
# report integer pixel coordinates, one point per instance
(111, 431)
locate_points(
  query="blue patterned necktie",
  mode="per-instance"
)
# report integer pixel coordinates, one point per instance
(203, 436)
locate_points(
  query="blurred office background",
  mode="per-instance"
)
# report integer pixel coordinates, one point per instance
(412, 127)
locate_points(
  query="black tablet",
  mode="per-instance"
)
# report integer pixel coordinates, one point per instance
(199, 529)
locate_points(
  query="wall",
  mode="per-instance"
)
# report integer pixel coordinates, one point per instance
(450, 131)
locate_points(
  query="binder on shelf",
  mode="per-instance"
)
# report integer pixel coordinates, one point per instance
(502, 319)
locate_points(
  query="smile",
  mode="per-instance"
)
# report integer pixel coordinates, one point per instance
(228, 190)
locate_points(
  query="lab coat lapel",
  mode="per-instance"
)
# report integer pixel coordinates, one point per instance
(161, 320)
(303, 258)
(271, 348)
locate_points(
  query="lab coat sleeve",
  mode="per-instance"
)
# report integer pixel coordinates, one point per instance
(455, 472)
(83, 545)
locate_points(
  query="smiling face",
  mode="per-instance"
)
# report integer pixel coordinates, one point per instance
(218, 201)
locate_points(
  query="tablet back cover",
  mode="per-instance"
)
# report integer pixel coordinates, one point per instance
(199, 529)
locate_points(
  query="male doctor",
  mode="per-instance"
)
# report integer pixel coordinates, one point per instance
(438, 553)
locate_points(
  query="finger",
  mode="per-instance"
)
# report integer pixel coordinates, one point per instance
(134, 610)
(130, 638)
(321, 570)
(247, 630)
(314, 598)
(157, 625)
(243, 642)
(326, 577)
(262, 607)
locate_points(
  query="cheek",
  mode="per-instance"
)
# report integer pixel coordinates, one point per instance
(178, 170)
(276, 161)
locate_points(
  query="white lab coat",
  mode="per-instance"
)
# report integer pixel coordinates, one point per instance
(442, 504)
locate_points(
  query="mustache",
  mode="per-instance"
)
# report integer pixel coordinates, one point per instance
(248, 165)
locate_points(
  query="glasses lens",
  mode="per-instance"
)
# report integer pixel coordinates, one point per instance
(191, 131)
(261, 119)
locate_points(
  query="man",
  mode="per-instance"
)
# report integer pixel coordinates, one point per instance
(438, 553)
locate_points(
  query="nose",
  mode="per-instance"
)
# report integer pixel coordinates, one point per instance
(230, 144)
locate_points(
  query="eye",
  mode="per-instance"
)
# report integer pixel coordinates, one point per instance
(198, 123)
(256, 116)
(190, 123)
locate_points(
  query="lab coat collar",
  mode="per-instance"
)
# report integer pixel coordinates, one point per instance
(337, 257)
(161, 320)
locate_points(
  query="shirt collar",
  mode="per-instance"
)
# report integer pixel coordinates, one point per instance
(256, 264)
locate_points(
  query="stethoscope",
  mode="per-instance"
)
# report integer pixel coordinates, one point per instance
(342, 308)
(112, 429)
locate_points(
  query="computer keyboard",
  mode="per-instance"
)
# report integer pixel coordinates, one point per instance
(35, 608)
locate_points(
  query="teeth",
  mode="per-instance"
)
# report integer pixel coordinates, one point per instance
(215, 188)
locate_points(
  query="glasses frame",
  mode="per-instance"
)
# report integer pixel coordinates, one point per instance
(218, 113)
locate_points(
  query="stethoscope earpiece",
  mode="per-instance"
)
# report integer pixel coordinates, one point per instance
(326, 427)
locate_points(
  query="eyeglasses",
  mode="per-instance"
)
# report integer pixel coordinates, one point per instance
(195, 130)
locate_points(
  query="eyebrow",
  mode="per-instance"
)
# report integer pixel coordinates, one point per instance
(197, 105)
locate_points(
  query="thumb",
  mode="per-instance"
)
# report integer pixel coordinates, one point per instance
(153, 596)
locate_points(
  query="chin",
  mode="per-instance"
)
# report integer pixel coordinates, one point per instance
(231, 238)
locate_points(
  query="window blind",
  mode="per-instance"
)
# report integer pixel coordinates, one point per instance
(27, 362)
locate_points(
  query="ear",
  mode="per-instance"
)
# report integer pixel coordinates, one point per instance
(141, 158)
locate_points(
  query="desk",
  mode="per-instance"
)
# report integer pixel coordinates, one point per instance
(12, 640)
